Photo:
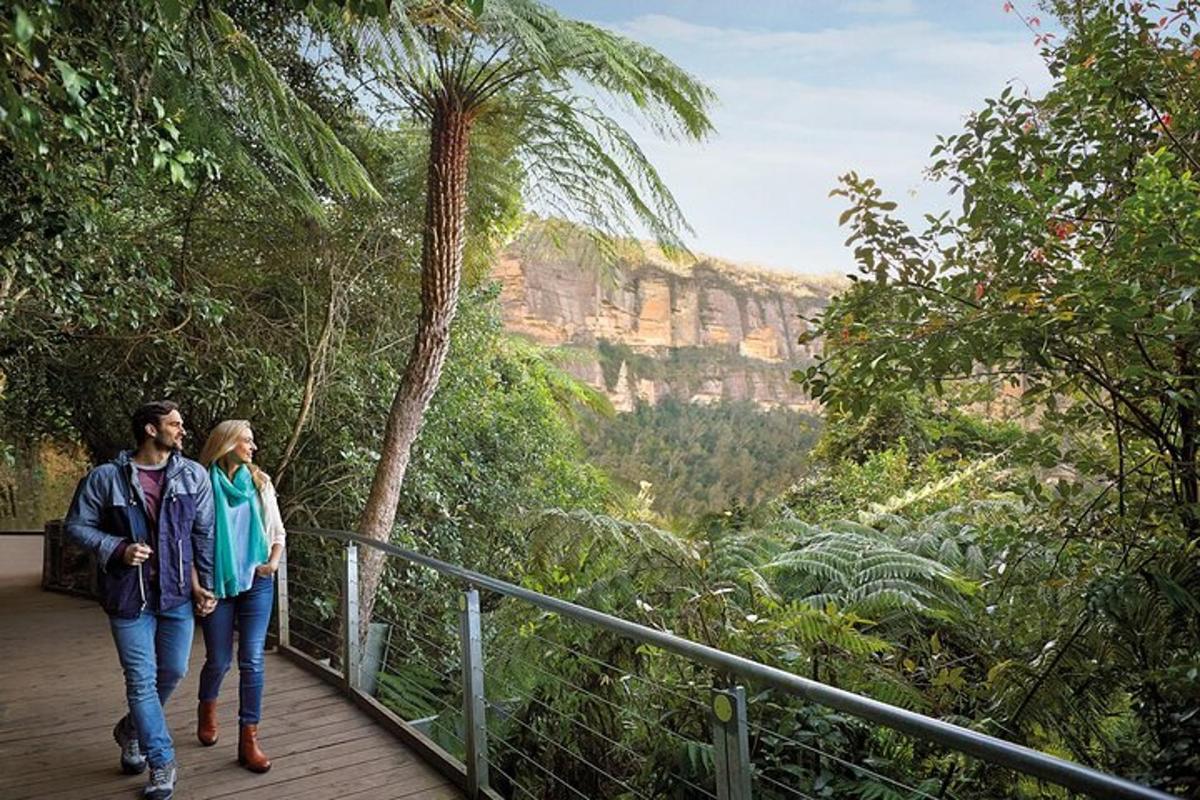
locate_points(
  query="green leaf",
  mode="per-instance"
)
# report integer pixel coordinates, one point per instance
(72, 81)
(23, 26)
(171, 10)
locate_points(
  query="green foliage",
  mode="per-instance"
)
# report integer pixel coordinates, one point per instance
(785, 593)
(494, 451)
(243, 307)
(103, 106)
(1072, 269)
(925, 429)
(853, 567)
(516, 66)
(1069, 277)
(704, 458)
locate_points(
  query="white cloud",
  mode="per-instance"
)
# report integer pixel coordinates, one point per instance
(870, 48)
(896, 8)
(784, 103)
(798, 108)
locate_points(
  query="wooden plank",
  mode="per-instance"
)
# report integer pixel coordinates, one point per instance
(102, 709)
(103, 779)
(98, 757)
(379, 779)
(428, 750)
(224, 780)
(370, 775)
(328, 767)
(101, 731)
(61, 690)
(327, 723)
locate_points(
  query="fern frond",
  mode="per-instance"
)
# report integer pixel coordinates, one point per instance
(281, 138)
(517, 67)
(859, 569)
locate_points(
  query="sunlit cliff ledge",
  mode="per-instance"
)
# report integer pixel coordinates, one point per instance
(648, 327)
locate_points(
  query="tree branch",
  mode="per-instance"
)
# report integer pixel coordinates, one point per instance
(1170, 134)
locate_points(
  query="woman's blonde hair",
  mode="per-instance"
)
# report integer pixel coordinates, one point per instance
(221, 442)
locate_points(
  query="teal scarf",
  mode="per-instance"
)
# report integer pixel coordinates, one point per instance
(228, 495)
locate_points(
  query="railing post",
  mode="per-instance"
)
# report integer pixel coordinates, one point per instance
(281, 609)
(474, 705)
(351, 647)
(731, 744)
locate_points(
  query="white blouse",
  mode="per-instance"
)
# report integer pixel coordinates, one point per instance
(272, 519)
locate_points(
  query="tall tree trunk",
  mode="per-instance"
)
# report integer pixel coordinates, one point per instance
(441, 271)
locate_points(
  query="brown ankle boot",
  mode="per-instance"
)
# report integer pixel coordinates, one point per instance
(206, 722)
(250, 755)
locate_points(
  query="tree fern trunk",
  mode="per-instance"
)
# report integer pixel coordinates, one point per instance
(441, 271)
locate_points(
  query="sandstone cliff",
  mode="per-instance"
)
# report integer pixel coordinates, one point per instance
(652, 328)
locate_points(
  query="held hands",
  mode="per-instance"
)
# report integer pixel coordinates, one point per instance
(136, 553)
(205, 600)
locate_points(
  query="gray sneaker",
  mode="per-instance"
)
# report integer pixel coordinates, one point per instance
(133, 762)
(161, 785)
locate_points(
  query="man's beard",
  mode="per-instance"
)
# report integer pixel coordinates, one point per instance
(166, 444)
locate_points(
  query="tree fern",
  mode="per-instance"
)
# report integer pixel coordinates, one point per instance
(859, 569)
(806, 627)
(521, 64)
(570, 393)
(919, 494)
(281, 138)
(953, 536)
(513, 64)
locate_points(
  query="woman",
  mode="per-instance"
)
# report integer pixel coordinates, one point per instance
(249, 540)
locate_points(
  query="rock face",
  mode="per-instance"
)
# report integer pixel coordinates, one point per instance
(651, 328)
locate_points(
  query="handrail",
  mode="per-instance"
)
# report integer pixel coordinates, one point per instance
(1028, 761)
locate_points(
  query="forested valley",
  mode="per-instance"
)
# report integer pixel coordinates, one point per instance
(229, 204)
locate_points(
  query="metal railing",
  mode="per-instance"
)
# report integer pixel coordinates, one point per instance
(483, 689)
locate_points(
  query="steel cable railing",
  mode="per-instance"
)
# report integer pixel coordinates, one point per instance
(470, 670)
(617, 768)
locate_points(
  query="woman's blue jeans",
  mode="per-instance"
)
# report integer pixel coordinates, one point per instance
(252, 612)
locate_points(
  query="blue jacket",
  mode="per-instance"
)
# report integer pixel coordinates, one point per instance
(108, 510)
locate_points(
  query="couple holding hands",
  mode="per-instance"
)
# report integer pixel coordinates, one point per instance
(177, 540)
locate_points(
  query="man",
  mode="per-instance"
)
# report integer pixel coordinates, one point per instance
(148, 517)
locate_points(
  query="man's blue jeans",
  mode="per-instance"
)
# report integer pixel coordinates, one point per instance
(252, 611)
(154, 649)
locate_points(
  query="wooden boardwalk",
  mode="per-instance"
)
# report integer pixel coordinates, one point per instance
(61, 691)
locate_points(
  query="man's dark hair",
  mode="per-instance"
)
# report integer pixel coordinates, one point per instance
(150, 414)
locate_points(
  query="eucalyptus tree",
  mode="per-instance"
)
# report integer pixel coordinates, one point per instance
(518, 68)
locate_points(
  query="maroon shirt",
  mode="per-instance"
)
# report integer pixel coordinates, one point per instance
(152, 482)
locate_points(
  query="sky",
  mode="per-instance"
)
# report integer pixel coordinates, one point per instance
(809, 90)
